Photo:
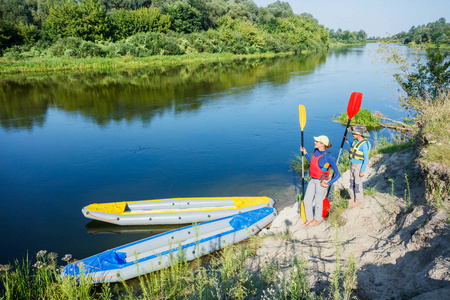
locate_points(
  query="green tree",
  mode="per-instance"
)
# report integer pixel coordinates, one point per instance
(215, 9)
(310, 17)
(421, 82)
(146, 19)
(86, 20)
(280, 9)
(9, 35)
(183, 17)
(15, 12)
(361, 36)
(112, 5)
(303, 34)
(435, 32)
(430, 78)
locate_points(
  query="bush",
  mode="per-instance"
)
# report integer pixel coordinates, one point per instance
(91, 49)
(171, 46)
(152, 43)
(122, 49)
(14, 53)
(130, 22)
(364, 117)
(68, 43)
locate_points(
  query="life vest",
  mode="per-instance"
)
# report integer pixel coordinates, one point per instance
(354, 149)
(317, 172)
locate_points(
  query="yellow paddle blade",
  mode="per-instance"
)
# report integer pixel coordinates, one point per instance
(302, 211)
(302, 116)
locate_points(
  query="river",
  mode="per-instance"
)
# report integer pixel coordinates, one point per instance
(72, 139)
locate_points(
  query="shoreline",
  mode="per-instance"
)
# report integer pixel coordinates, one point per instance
(51, 65)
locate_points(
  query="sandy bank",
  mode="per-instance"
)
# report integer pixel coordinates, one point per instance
(401, 252)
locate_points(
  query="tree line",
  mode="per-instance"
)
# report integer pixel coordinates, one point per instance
(437, 33)
(347, 37)
(111, 28)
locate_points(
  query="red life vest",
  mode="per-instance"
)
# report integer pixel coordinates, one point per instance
(315, 171)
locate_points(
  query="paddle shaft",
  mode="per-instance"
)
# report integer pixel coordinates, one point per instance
(303, 173)
(343, 141)
(302, 119)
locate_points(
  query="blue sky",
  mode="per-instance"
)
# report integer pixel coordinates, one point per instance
(375, 17)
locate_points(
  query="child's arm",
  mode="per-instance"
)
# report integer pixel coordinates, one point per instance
(333, 165)
(365, 150)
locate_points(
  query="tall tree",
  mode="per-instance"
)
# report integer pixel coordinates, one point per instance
(183, 17)
(86, 20)
(15, 12)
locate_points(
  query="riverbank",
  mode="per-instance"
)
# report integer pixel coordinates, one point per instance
(57, 64)
(399, 241)
(32, 65)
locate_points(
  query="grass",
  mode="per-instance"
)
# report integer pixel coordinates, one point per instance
(57, 64)
(435, 121)
(337, 207)
(221, 275)
(395, 144)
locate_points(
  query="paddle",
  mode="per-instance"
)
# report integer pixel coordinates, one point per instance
(352, 109)
(302, 118)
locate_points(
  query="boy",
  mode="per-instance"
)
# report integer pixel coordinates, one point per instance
(359, 157)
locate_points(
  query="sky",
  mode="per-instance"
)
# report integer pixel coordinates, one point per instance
(376, 17)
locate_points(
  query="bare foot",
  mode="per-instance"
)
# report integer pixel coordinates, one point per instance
(307, 223)
(314, 223)
(355, 203)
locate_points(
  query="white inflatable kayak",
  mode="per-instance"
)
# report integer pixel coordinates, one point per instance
(173, 211)
(160, 251)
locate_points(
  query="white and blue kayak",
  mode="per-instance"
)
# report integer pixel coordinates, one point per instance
(162, 250)
(173, 210)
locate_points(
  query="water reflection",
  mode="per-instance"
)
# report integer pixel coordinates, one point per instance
(97, 227)
(141, 94)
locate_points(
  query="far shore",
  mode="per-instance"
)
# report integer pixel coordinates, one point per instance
(36, 65)
(56, 64)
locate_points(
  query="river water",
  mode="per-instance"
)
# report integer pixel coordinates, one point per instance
(219, 129)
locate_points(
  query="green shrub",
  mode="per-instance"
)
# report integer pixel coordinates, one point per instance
(122, 49)
(68, 43)
(170, 46)
(364, 117)
(90, 49)
(146, 19)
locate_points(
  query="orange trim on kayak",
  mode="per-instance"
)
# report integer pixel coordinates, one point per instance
(88, 213)
(267, 223)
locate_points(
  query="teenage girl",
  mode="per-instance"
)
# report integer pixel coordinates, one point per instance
(319, 169)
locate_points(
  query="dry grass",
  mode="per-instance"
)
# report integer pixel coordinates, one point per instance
(436, 130)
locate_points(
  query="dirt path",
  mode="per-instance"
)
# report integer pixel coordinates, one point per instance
(401, 245)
